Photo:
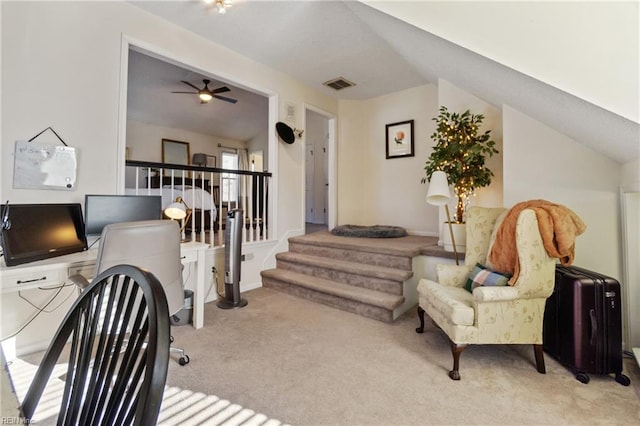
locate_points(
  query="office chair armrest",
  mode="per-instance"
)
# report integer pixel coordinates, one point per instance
(80, 281)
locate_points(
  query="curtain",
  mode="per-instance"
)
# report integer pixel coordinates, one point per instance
(244, 187)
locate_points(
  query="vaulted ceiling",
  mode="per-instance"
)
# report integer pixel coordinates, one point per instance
(315, 41)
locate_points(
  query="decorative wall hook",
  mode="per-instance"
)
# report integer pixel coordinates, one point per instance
(286, 133)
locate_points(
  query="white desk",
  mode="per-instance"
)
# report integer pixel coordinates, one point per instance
(54, 271)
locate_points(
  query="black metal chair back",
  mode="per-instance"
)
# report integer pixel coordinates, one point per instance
(118, 352)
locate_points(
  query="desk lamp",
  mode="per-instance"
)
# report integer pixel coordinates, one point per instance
(179, 210)
(439, 195)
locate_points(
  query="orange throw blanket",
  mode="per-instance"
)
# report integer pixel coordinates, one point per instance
(559, 227)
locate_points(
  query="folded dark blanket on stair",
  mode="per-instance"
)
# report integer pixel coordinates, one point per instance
(375, 231)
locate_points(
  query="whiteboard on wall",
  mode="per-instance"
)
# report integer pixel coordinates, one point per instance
(44, 166)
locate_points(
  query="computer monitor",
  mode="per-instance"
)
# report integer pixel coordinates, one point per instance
(101, 210)
(39, 231)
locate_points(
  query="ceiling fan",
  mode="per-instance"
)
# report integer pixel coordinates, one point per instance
(205, 94)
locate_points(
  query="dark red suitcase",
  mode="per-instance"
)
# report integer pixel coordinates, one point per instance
(583, 323)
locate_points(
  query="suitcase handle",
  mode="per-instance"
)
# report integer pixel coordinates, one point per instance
(594, 326)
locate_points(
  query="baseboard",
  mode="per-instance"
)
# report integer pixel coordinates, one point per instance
(422, 233)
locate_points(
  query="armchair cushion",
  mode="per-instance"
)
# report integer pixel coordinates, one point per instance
(453, 303)
(481, 276)
(452, 275)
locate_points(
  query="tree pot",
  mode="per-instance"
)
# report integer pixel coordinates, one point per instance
(459, 234)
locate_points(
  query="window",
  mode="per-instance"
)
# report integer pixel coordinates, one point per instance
(229, 181)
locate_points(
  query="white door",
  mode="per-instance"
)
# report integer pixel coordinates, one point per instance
(322, 162)
(320, 200)
(309, 182)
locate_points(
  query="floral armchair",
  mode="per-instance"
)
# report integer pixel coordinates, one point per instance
(508, 314)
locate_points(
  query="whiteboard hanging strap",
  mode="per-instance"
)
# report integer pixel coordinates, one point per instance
(54, 132)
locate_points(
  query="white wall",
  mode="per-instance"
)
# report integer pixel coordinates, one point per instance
(259, 143)
(542, 163)
(377, 191)
(145, 141)
(630, 179)
(374, 190)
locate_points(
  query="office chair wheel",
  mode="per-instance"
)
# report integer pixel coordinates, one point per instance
(171, 339)
(184, 360)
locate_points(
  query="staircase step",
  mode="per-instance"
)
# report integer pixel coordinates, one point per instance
(372, 277)
(350, 254)
(358, 300)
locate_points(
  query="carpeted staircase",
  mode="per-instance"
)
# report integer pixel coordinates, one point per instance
(365, 276)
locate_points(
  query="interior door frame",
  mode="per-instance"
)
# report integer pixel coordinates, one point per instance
(332, 171)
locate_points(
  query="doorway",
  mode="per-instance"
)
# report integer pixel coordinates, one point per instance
(156, 101)
(318, 142)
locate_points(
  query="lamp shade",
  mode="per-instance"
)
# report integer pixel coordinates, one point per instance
(176, 211)
(199, 159)
(438, 193)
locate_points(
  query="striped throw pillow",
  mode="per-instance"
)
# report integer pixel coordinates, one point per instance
(482, 276)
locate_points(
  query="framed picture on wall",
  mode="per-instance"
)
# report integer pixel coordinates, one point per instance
(399, 139)
(175, 152)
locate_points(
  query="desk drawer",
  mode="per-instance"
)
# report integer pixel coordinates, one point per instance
(189, 256)
(29, 280)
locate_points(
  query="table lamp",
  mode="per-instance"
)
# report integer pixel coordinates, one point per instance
(179, 210)
(440, 195)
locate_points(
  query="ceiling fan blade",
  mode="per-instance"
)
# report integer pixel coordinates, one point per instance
(221, 89)
(190, 93)
(224, 98)
(190, 85)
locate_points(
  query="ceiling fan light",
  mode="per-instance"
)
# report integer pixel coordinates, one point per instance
(205, 97)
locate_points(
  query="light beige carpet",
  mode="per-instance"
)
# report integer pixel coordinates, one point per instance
(303, 363)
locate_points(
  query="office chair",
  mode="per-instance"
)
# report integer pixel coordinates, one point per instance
(151, 244)
(110, 380)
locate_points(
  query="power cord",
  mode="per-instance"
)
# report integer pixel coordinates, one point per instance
(93, 243)
(214, 271)
(39, 310)
(59, 288)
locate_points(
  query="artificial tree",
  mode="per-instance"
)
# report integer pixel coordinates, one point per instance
(460, 152)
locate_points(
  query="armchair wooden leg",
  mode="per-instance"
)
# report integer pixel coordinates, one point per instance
(539, 352)
(456, 350)
(420, 329)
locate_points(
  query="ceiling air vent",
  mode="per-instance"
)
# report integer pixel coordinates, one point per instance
(339, 83)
